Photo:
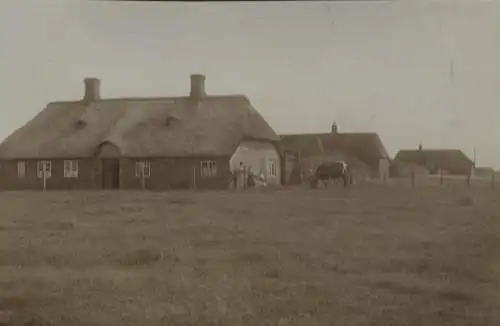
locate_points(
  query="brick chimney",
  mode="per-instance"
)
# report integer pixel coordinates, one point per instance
(335, 128)
(197, 86)
(92, 89)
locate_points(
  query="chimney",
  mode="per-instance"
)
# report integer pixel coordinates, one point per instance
(420, 147)
(197, 86)
(335, 128)
(92, 89)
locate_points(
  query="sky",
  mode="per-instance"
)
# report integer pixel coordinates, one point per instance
(413, 71)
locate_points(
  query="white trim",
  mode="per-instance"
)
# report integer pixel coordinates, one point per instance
(71, 168)
(44, 165)
(273, 167)
(143, 168)
(22, 169)
(208, 168)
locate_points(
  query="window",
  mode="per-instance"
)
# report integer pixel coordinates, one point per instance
(208, 168)
(44, 167)
(143, 168)
(273, 167)
(71, 168)
(21, 169)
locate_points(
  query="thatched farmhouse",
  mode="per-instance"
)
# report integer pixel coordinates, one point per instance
(127, 143)
(450, 161)
(364, 152)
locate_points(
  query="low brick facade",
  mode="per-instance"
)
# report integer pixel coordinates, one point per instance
(165, 173)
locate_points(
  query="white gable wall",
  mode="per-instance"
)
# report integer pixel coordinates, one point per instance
(259, 156)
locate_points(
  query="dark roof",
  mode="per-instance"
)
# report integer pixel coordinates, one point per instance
(140, 127)
(439, 158)
(367, 147)
(306, 144)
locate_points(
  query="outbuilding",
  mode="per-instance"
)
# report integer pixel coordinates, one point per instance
(449, 161)
(364, 152)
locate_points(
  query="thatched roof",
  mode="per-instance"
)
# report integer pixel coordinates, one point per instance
(366, 147)
(140, 127)
(437, 158)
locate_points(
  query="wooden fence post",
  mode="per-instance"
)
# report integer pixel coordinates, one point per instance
(298, 160)
(143, 179)
(468, 179)
(413, 179)
(44, 175)
(194, 177)
(44, 179)
(441, 177)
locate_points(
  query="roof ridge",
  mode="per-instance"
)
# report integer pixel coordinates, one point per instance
(432, 150)
(371, 133)
(154, 98)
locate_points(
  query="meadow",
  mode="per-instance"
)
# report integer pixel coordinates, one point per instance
(371, 255)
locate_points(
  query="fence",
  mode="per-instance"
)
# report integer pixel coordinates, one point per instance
(447, 181)
(414, 180)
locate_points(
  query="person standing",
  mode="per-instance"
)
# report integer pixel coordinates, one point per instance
(234, 178)
(241, 177)
(250, 178)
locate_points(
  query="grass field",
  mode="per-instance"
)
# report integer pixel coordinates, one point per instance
(371, 255)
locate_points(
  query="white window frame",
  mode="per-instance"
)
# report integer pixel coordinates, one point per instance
(208, 168)
(273, 167)
(71, 168)
(143, 168)
(40, 168)
(22, 169)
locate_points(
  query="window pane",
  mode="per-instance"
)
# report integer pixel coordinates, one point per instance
(137, 171)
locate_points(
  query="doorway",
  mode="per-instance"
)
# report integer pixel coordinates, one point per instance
(110, 174)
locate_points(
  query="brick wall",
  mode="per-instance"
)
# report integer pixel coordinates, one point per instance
(166, 173)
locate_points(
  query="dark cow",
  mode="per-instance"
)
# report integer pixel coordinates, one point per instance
(332, 171)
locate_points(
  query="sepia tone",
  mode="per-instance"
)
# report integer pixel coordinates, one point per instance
(373, 255)
(175, 135)
(250, 164)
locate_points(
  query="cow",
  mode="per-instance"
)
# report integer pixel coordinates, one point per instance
(332, 171)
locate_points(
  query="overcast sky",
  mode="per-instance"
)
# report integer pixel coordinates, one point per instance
(372, 66)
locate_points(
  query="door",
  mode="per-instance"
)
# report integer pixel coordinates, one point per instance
(110, 174)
